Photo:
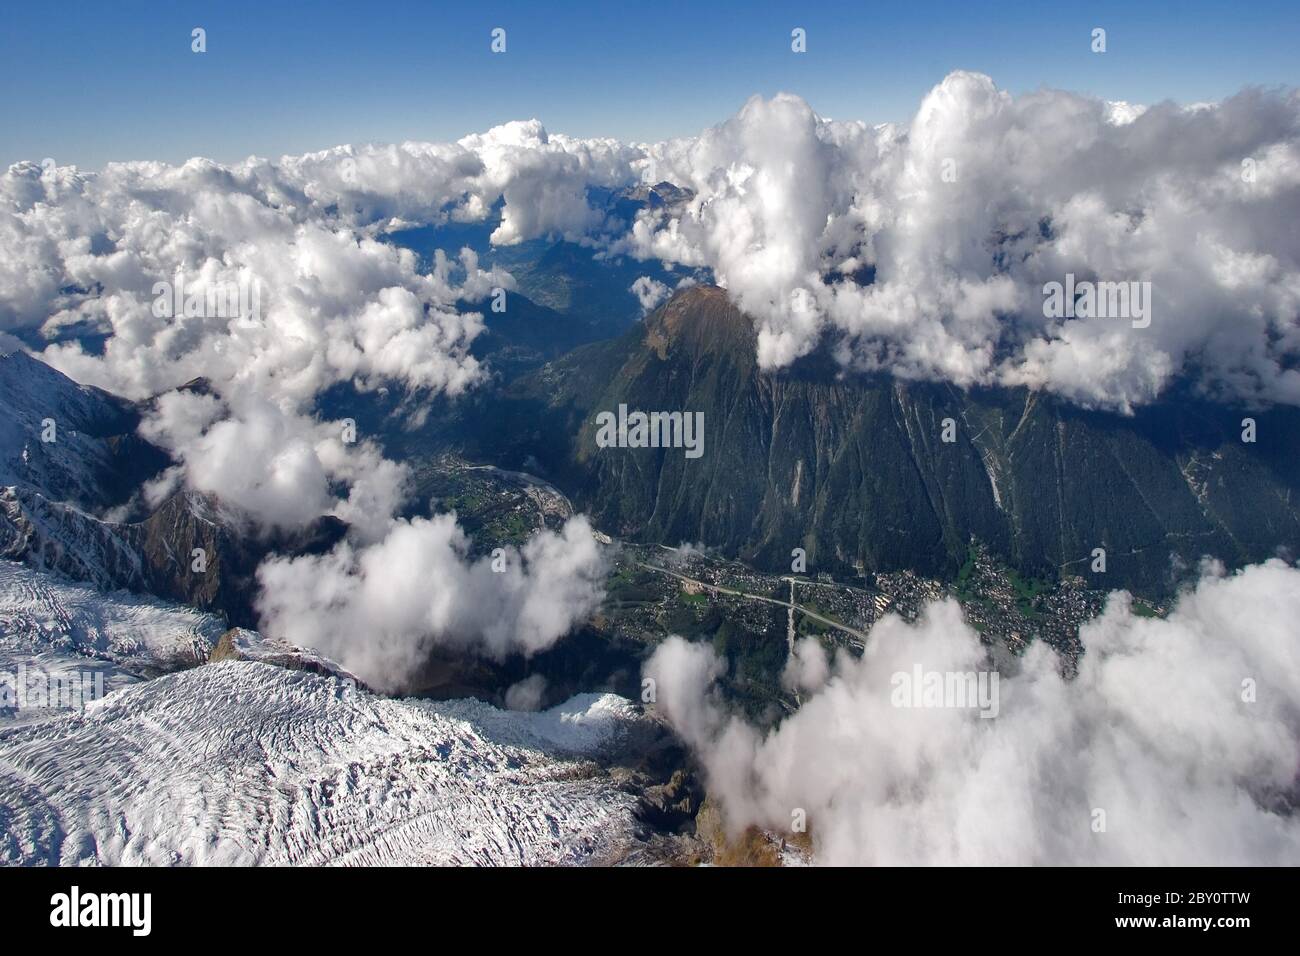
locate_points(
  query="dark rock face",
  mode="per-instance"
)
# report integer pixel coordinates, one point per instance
(51, 492)
(188, 522)
(855, 468)
(672, 806)
(155, 556)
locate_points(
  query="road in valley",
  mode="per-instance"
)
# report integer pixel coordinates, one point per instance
(861, 636)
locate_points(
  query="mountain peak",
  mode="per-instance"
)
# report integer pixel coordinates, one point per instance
(699, 318)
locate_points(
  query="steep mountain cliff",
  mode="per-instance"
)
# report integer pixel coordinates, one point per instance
(856, 468)
(159, 555)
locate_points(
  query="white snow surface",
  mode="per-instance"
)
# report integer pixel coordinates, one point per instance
(256, 646)
(242, 762)
(42, 614)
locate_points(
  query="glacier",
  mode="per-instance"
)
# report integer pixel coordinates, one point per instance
(241, 762)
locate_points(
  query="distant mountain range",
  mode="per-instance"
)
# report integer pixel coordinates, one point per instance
(565, 294)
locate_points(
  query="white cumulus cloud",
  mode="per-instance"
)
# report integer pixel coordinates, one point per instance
(380, 609)
(923, 249)
(1184, 732)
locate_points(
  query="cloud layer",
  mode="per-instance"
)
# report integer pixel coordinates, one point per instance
(923, 249)
(1156, 731)
(379, 610)
(90, 261)
(86, 252)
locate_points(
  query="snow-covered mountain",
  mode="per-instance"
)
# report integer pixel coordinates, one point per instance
(241, 762)
(70, 442)
(52, 536)
(45, 614)
(245, 762)
(153, 556)
(71, 469)
(55, 634)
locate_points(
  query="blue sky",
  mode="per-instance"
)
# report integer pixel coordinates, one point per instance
(86, 83)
